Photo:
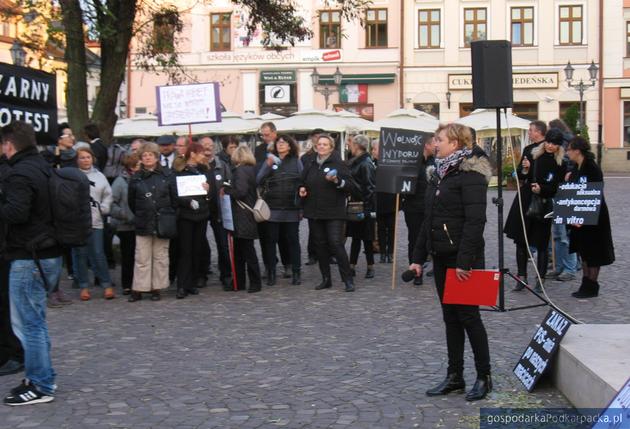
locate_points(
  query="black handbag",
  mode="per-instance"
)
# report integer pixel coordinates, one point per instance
(355, 211)
(166, 223)
(538, 206)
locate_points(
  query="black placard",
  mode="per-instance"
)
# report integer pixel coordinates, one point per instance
(399, 154)
(29, 95)
(541, 349)
(578, 203)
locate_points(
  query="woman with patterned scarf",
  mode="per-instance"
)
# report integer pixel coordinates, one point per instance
(452, 233)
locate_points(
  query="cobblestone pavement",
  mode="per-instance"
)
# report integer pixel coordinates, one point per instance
(295, 357)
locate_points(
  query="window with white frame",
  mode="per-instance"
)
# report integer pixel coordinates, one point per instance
(571, 24)
(429, 28)
(522, 26)
(475, 24)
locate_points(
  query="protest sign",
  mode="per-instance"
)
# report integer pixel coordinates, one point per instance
(541, 349)
(399, 153)
(29, 95)
(188, 104)
(190, 186)
(578, 203)
(226, 212)
(617, 414)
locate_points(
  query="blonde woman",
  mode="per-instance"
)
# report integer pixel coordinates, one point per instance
(243, 188)
(150, 191)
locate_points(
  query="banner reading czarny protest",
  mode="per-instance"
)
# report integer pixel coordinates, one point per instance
(29, 95)
(399, 154)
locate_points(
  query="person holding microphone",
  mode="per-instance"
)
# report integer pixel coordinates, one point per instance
(452, 233)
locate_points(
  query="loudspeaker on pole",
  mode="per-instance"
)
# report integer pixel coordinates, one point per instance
(491, 73)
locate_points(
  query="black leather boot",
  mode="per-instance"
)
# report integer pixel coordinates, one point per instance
(519, 286)
(271, 277)
(481, 388)
(181, 293)
(325, 284)
(349, 285)
(588, 289)
(297, 278)
(369, 273)
(452, 383)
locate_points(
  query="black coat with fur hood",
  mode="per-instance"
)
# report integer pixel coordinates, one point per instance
(548, 170)
(455, 214)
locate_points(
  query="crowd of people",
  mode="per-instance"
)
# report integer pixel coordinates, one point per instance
(163, 233)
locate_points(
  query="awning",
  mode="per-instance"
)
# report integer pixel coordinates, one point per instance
(374, 79)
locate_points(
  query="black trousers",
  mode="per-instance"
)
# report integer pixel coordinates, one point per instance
(108, 240)
(329, 236)
(173, 246)
(414, 224)
(289, 232)
(386, 232)
(461, 320)
(355, 249)
(310, 247)
(205, 257)
(285, 249)
(190, 238)
(245, 259)
(10, 346)
(522, 256)
(127, 257)
(223, 250)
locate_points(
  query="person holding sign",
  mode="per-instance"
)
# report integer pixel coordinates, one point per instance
(327, 183)
(593, 243)
(364, 175)
(192, 218)
(452, 232)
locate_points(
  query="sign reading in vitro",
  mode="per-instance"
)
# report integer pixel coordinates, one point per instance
(519, 81)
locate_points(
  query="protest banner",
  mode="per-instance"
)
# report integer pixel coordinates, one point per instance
(578, 203)
(541, 349)
(188, 104)
(29, 95)
(190, 186)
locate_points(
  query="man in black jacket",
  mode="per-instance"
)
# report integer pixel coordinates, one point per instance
(413, 204)
(96, 144)
(33, 252)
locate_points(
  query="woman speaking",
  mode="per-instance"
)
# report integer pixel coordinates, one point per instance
(452, 233)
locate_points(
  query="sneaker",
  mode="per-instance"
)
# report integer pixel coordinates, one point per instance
(553, 274)
(565, 277)
(26, 394)
(53, 302)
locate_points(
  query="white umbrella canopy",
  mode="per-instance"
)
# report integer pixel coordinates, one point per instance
(486, 120)
(145, 125)
(354, 121)
(309, 119)
(271, 116)
(231, 123)
(409, 119)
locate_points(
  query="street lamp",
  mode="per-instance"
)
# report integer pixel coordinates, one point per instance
(18, 54)
(448, 99)
(581, 86)
(326, 90)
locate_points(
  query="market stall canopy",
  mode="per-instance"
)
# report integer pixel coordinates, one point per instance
(147, 126)
(486, 120)
(354, 121)
(409, 119)
(309, 119)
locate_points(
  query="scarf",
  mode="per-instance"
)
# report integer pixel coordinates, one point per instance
(444, 165)
(320, 160)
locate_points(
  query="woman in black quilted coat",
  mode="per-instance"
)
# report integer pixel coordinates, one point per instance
(452, 233)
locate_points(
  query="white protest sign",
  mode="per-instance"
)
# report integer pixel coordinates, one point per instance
(190, 186)
(188, 104)
(226, 212)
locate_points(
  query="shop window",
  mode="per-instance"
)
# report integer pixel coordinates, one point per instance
(526, 110)
(522, 26)
(429, 28)
(465, 109)
(571, 25)
(626, 123)
(475, 24)
(432, 109)
(376, 28)
(220, 32)
(329, 29)
(278, 98)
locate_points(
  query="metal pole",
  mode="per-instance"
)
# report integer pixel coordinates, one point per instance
(499, 204)
(581, 90)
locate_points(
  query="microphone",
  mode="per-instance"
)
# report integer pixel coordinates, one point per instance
(408, 276)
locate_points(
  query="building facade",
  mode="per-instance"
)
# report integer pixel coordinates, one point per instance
(545, 36)
(616, 85)
(215, 48)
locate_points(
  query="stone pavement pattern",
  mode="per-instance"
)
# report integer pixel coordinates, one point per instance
(294, 357)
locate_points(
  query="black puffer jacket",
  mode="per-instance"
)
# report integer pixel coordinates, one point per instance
(244, 189)
(184, 210)
(364, 175)
(325, 199)
(25, 207)
(455, 213)
(150, 191)
(414, 203)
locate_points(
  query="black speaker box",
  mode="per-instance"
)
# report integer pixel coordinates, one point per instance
(491, 73)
